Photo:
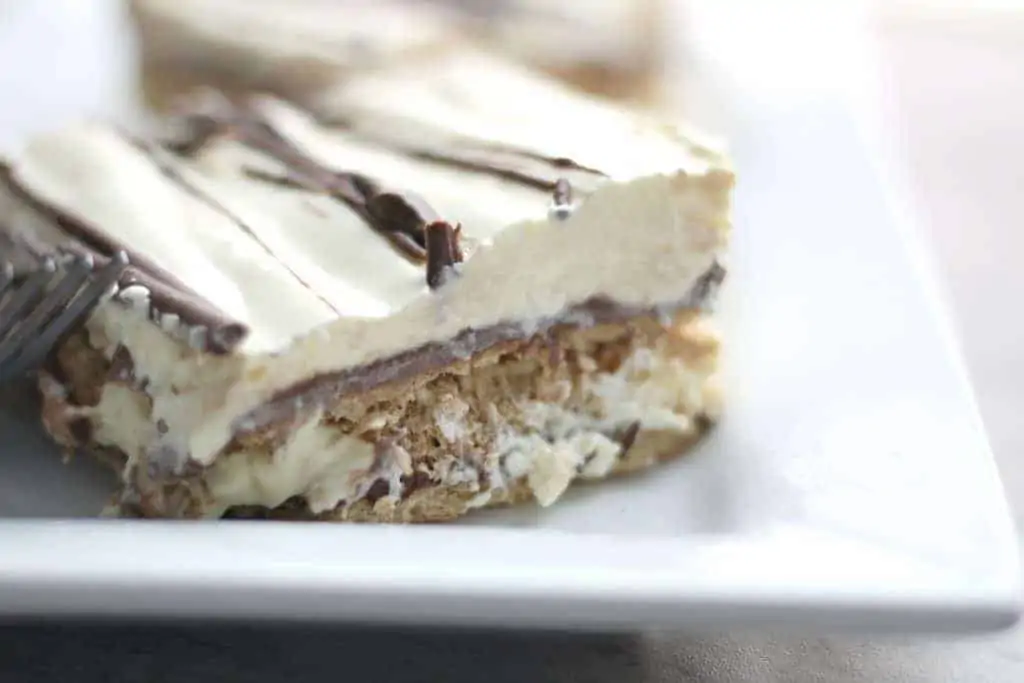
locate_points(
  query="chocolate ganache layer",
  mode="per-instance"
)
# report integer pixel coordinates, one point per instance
(319, 391)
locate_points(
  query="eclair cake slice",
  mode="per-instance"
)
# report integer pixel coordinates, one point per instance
(296, 48)
(449, 285)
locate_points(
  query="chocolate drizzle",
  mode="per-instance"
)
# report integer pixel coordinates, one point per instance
(516, 164)
(511, 163)
(443, 252)
(399, 217)
(482, 162)
(174, 175)
(168, 294)
(89, 237)
(560, 163)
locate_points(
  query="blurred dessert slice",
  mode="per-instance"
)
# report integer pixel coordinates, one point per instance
(292, 49)
(296, 48)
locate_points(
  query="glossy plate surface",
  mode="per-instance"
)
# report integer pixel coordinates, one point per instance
(850, 484)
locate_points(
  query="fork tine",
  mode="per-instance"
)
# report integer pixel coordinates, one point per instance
(77, 309)
(26, 295)
(61, 294)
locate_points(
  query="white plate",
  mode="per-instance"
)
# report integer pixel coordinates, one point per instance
(850, 484)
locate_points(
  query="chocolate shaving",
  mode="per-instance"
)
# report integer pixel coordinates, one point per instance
(403, 213)
(442, 252)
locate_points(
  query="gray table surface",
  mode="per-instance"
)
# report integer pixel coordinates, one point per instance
(955, 100)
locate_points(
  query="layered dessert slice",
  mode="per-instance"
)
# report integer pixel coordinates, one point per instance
(294, 48)
(453, 286)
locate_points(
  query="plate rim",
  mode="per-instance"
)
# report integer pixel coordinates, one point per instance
(642, 581)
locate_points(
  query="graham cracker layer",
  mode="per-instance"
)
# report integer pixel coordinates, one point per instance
(519, 421)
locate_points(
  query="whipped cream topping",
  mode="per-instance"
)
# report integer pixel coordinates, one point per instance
(482, 142)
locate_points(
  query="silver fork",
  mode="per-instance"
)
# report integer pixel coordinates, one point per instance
(39, 308)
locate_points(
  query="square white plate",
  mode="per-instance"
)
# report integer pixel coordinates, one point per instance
(850, 484)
